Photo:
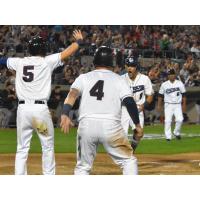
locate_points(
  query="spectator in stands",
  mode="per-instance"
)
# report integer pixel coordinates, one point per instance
(3, 76)
(197, 106)
(68, 76)
(164, 42)
(189, 82)
(195, 50)
(153, 74)
(184, 72)
(8, 104)
(10, 74)
(55, 104)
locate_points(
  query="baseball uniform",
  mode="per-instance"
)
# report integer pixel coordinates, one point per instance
(140, 87)
(33, 88)
(102, 92)
(172, 105)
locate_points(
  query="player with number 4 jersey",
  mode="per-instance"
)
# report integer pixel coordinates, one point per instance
(102, 92)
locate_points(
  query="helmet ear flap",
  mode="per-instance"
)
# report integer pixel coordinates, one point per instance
(103, 57)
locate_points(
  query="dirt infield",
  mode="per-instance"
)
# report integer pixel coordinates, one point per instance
(149, 164)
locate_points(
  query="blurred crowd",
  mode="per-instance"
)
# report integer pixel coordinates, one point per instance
(185, 39)
(158, 48)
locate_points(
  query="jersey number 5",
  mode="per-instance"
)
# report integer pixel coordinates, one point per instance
(28, 75)
(97, 90)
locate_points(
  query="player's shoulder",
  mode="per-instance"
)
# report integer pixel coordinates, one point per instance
(118, 77)
(165, 83)
(104, 72)
(16, 58)
(52, 56)
(124, 75)
(179, 81)
(82, 76)
(144, 77)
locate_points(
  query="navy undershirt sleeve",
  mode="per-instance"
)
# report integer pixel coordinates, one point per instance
(132, 109)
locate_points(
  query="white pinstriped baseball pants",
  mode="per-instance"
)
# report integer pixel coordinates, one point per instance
(25, 115)
(170, 110)
(92, 132)
(127, 121)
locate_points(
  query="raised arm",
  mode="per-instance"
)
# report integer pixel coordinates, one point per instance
(74, 46)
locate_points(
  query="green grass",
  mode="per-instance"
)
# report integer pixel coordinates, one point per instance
(67, 143)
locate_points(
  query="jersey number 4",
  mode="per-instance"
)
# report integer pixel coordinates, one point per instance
(28, 74)
(97, 90)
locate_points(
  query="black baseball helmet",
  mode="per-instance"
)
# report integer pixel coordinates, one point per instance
(132, 62)
(171, 72)
(103, 57)
(37, 46)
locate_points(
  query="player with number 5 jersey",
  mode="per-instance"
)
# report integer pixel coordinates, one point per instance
(33, 88)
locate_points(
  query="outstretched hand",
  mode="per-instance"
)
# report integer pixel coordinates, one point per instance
(65, 123)
(77, 35)
(137, 135)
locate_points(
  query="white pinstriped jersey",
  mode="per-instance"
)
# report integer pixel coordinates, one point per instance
(140, 87)
(33, 75)
(102, 92)
(172, 91)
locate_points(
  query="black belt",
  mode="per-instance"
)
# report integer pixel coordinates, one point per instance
(36, 102)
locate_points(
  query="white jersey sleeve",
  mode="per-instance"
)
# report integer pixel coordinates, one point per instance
(124, 89)
(54, 60)
(182, 88)
(78, 84)
(148, 89)
(161, 91)
(13, 63)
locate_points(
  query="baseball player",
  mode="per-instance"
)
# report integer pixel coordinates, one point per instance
(142, 92)
(173, 92)
(33, 88)
(102, 92)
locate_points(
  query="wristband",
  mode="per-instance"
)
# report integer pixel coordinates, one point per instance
(79, 42)
(66, 109)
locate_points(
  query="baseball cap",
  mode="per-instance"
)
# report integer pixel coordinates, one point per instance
(171, 72)
(131, 61)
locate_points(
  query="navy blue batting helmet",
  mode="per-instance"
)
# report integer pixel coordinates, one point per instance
(132, 62)
(171, 72)
(37, 46)
(103, 57)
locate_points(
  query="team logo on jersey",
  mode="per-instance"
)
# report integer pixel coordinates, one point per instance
(137, 88)
(171, 90)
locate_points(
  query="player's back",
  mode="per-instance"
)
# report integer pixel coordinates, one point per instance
(33, 76)
(102, 92)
